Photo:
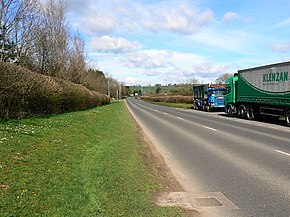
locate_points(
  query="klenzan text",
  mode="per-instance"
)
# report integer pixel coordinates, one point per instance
(275, 77)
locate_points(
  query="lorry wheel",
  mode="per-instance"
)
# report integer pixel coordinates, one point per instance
(242, 111)
(249, 113)
(207, 108)
(229, 110)
(287, 118)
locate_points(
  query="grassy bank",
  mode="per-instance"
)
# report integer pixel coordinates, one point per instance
(84, 163)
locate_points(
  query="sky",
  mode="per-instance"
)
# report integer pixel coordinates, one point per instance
(168, 42)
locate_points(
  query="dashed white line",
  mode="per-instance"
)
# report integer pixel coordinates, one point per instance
(210, 128)
(165, 113)
(282, 152)
(180, 118)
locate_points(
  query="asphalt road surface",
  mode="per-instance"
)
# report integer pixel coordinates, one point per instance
(245, 165)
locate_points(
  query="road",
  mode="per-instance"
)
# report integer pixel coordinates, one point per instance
(245, 162)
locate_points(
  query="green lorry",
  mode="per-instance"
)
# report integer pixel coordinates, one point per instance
(260, 91)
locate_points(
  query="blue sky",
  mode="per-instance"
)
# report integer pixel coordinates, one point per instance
(149, 42)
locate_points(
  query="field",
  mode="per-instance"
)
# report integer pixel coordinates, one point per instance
(149, 90)
(85, 163)
(174, 105)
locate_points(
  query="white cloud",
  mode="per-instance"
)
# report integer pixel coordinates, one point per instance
(172, 76)
(180, 18)
(198, 40)
(205, 71)
(185, 59)
(174, 67)
(113, 44)
(208, 68)
(149, 59)
(96, 23)
(105, 17)
(282, 24)
(79, 6)
(153, 59)
(130, 80)
(281, 47)
(151, 72)
(229, 17)
(166, 66)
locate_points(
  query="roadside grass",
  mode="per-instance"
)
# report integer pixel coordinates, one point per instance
(174, 105)
(83, 163)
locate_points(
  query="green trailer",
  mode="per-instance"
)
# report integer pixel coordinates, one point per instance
(260, 91)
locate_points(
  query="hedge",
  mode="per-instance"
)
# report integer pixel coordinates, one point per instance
(170, 99)
(24, 93)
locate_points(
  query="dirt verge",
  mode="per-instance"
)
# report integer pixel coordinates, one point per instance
(165, 178)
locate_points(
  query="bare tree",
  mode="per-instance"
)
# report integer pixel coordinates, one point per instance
(95, 80)
(37, 36)
(77, 59)
(222, 79)
(192, 80)
(25, 34)
(12, 13)
(52, 44)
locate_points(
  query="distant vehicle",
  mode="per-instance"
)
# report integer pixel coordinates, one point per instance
(208, 97)
(261, 91)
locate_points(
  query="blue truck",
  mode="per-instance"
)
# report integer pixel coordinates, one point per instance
(208, 97)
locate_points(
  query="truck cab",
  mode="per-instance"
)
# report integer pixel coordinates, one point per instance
(208, 97)
(216, 97)
(230, 94)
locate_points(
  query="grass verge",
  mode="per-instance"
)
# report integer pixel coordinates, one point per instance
(170, 104)
(83, 163)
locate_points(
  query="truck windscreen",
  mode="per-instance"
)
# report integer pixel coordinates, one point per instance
(217, 93)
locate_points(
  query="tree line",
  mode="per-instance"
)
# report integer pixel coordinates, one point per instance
(37, 36)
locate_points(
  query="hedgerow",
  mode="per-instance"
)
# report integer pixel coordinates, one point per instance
(170, 99)
(24, 93)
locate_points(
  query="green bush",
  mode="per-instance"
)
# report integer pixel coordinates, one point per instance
(25, 93)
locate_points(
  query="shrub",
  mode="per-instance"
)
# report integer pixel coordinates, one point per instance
(24, 93)
(170, 99)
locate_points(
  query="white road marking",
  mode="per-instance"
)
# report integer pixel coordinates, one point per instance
(165, 113)
(210, 128)
(156, 110)
(282, 152)
(180, 118)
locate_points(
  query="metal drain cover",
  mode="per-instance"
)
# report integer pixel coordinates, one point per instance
(207, 202)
